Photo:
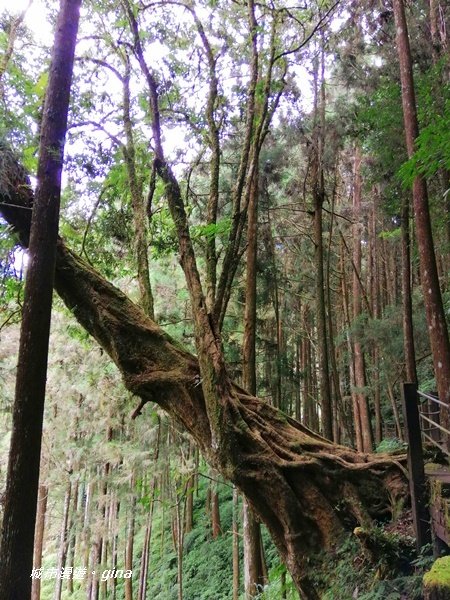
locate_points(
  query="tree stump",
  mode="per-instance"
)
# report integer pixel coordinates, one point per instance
(436, 583)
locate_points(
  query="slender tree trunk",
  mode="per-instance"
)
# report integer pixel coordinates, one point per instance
(39, 539)
(346, 311)
(253, 557)
(340, 421)
(129, 549)
(115, 508)
(138, 203)
(318, 189)
(437, 326)
(180, 548)
(359, 394)
(408, 327)
(189, 506)
(373, 287)
(94, 576)
(63, 541)
(236, 570)
(215, 510)
(12, 33)
(321, 319)
(395, 410)
(72, 534)
(105, 543)
(439, 47)
(145, 558)
(17, 538)
(283, 585)
(253, 576)
(86, 524)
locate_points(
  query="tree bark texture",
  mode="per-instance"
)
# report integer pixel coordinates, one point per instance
(63, 541)
(363, 424)
(306, 490)
(236, 572)
(16, 549)
(318, 193)
(39, 539)
(408, 325)
(137, 203)
(253, 572)
(437, 326)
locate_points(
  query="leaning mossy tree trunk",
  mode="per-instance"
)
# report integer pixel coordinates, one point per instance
(306, 490)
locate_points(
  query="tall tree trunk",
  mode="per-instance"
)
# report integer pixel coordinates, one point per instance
(138, 203)
(346, 312)
(72, 534)
(408, 327)
(437, 326)
(87, 518)
(145, 557)
(215, 509)
(189, 505)
(340, 421)
(253, 573)
(318, 192)
(94, 575)
(375, 304)
(115, 509)
(359, 394)
(12, 33)
(321, 317)
(16, 545)
(236, 570)
(39, 539)
(129, 547)
(253, 553)
(439, 48)
(63, 540)
(179, 548)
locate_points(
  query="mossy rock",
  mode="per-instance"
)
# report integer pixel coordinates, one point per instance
(436, 583)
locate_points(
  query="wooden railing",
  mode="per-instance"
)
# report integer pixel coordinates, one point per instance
(423, 414)
(430, 411)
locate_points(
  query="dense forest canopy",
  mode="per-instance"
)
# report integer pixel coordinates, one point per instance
(249, 203)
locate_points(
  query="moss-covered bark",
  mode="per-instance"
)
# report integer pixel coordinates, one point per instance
(436, 583)
(306, 490)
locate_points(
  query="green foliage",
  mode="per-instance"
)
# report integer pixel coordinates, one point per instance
(390, 445)
(432, 152)
(348, 573)
(163, 234)
(206, 562)
(392, 234)
(213, 230)
(433, 144)
(379, 115)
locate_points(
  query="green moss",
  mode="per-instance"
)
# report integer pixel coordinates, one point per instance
(435, 489)
(439, 575)
(431, 467)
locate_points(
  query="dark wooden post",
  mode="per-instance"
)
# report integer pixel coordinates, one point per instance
(417, 483)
